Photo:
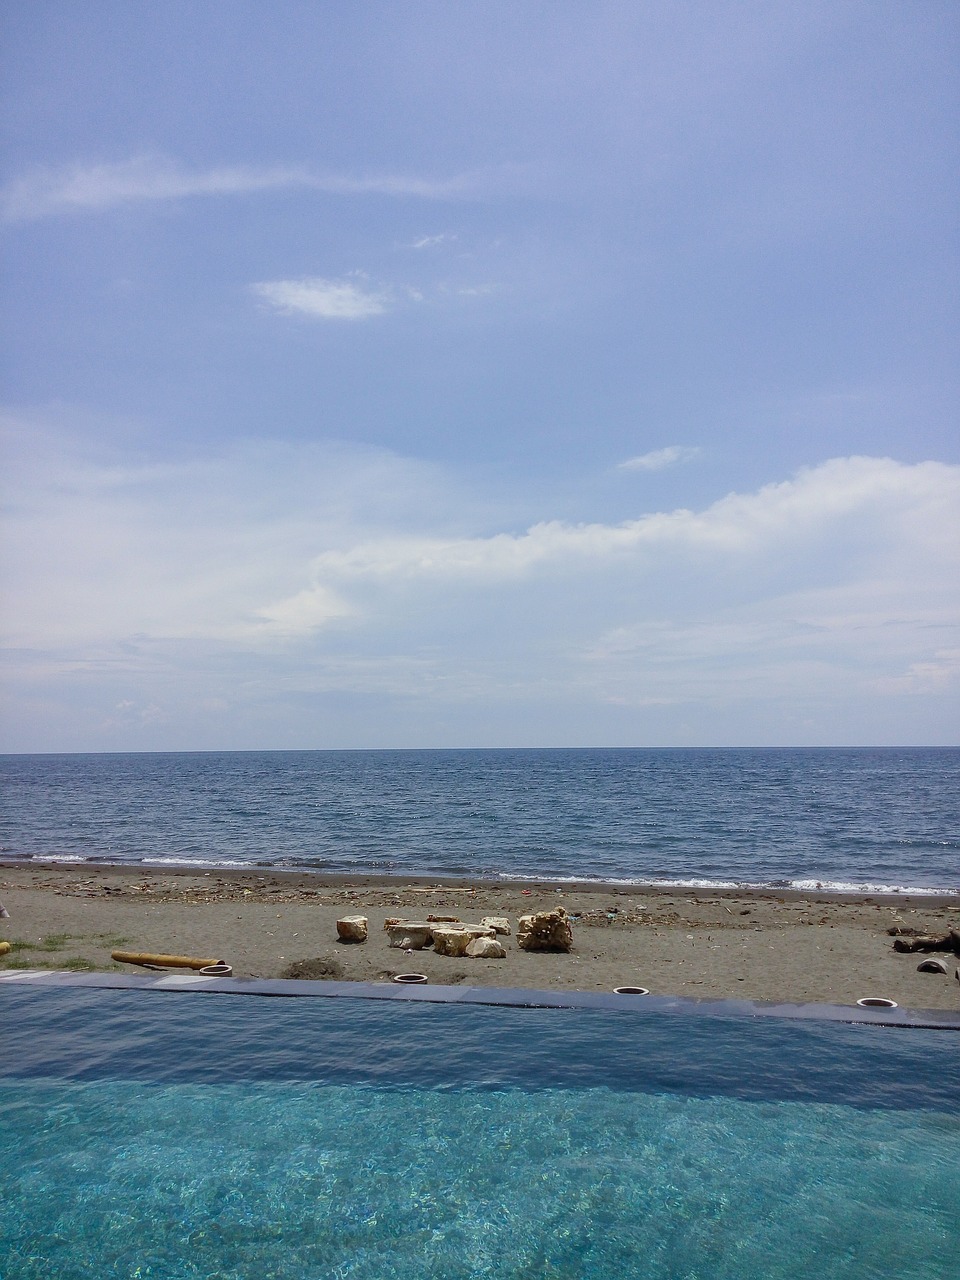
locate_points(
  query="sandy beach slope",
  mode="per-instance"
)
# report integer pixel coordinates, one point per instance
(759, 945)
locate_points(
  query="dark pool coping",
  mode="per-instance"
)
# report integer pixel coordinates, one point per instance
(931, 1019)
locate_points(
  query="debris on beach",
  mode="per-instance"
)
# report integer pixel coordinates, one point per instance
(949, 941)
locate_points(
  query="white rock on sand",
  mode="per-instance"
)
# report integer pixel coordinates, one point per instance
(486, 949)
(545, 931)
(499, 924)
(352, 928)
(453, 940)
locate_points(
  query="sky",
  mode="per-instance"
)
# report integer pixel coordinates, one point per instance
(527, 373)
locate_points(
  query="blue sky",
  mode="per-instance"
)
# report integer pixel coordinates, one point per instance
(541, 373)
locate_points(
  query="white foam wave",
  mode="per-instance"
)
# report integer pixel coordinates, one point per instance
(225, 863)
(52, 857)
(801, 886)
(849, 886)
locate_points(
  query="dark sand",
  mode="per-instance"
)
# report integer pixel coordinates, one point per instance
(757, 945)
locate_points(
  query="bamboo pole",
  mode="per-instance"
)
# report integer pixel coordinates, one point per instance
(161, 961)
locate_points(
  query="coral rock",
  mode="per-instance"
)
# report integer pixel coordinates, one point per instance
(453, 939)
(499, 924)
(352, 928)
(410, 935)
(545, 931)
(485, 949)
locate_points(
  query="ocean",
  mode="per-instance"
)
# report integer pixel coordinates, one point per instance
(872, 820)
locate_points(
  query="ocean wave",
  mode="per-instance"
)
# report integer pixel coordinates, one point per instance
(800, 886)
(676, 884)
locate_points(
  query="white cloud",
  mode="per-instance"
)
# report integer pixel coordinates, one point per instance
(324, 299)
(939, 675)
(273, 573)
(102, 551)
(880, 495)
(306, 611)
(431, 242)
(89, 188)
(658, 459)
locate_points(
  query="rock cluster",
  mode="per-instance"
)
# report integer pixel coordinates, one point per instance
(449, 936)
(455, 939)
(409, 935)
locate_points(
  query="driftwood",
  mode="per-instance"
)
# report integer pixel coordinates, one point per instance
(949, 941)
(154, 961)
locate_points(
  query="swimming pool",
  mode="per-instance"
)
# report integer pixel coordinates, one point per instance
(174, 1135)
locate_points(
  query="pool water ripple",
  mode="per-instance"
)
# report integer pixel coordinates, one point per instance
(501, 1158)
(291, 1180)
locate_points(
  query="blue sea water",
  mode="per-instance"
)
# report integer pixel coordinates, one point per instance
(187, 1136)
(874, 818)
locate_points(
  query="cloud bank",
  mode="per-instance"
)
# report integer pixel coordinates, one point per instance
(261, 579)
(895, 503)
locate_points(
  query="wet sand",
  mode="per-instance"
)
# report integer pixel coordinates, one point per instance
(748, 944)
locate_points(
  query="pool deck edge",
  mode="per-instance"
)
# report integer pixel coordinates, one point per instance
(932, 1019)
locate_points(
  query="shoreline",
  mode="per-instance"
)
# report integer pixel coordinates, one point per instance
(755, 943)
(828, 890)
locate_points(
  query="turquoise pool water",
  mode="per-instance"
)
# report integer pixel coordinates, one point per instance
(241, 1137)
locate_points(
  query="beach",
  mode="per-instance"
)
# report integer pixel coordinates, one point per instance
(706, 943)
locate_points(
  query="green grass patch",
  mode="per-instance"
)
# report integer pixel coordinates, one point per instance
(53, 942)
(73, 963)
